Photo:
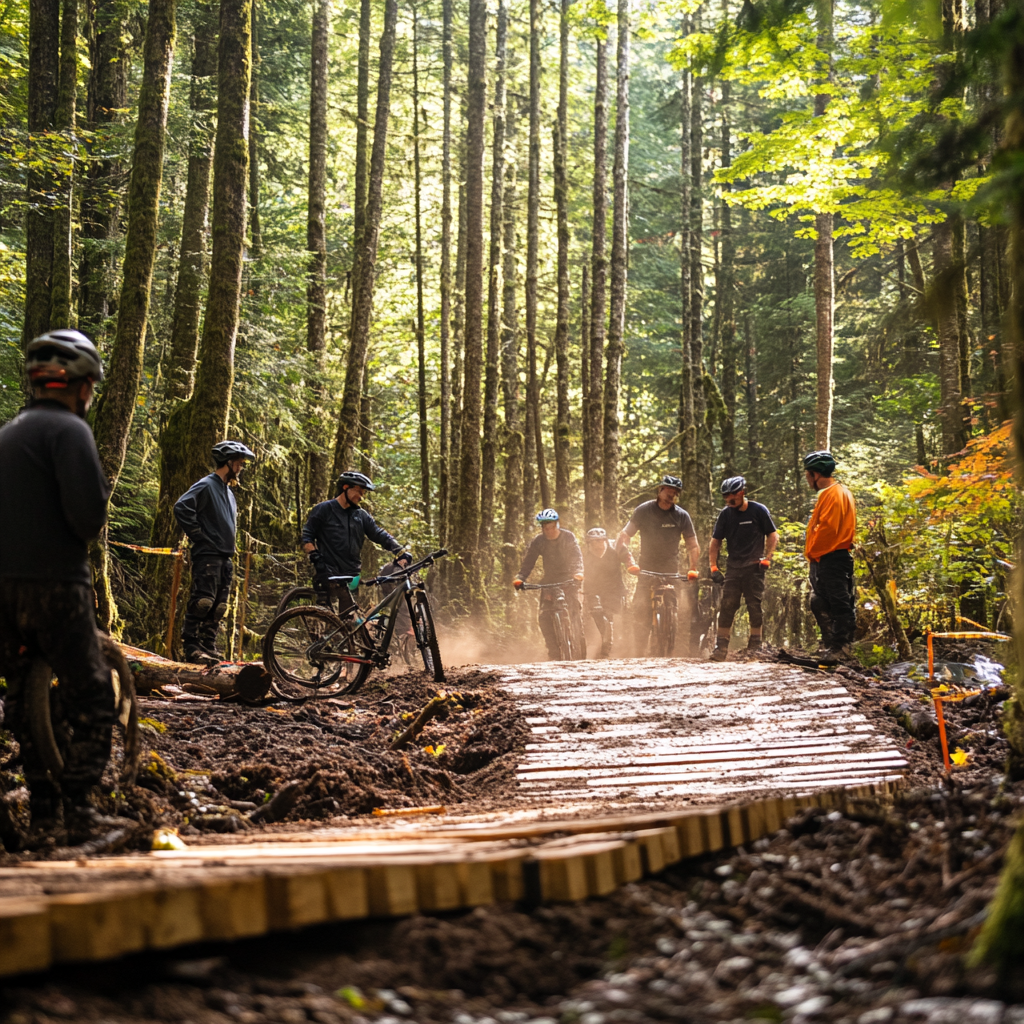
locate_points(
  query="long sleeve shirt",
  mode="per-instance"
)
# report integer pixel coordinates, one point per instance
(603, 573)
(53, 495)
(561, 556)
(338, 534)
(833, 523)
(207, 513)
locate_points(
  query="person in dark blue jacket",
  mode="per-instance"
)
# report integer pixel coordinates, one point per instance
(333, 538)
(207, 512)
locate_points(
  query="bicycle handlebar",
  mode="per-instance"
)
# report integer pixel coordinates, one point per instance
(665, 575)
(546, 586)
(408, 571)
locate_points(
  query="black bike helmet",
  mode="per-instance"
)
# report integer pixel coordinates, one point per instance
(57, 357)
(597, 533)
(820, 462)
(350, 478)
(225, 451)
(733, 484)
(671, 481)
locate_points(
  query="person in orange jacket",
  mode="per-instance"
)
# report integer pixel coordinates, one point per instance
(827, 545)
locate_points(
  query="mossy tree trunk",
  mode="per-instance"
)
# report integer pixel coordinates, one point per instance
(562, 425)
(43, 74)
(421, 329)
(62, 312)
(444, 468)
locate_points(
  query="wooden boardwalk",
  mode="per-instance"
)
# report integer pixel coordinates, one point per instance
(634, 766)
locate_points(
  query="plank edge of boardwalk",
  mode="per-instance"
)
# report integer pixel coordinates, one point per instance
(598, 856)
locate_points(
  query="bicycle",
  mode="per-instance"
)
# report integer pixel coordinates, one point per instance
(312, 651)
(664, 613)
(40, 692)
(568, 638)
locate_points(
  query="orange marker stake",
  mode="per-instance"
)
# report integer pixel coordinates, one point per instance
(396, 812)
(942, 733)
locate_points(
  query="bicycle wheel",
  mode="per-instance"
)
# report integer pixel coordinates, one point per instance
(127, 709)
(40, 718)
(293, 597)
(561, 637)
(296, 676)
(426, 636)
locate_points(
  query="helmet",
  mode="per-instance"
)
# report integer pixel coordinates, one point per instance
(671, 481)
(54, 358)
(733, 484)
(820, 462)
(549, 515)
(597, 533)
(225, 451)
(350, 478)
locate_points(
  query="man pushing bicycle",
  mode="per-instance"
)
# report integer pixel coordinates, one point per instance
(333, 538)
(563, 565)
(604, 591)
(662, 524)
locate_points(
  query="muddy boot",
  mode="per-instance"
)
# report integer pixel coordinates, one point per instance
(197, 656)
(721, 651)
(753, 643)
(606, 640)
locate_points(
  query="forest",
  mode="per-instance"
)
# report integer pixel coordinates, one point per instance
(507, 255)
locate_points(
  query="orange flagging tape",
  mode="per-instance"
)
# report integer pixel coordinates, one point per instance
(394, 812)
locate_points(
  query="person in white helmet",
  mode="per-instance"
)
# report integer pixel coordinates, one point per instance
(604, 591)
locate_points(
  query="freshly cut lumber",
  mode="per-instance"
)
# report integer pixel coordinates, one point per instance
(98, 925)
(24, 936)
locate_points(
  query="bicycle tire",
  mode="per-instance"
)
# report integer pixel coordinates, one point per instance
(128, 709)
(40, 717)
(658, 635)
(426, 637)
(561, 641)
(293, 597)
(294, 677)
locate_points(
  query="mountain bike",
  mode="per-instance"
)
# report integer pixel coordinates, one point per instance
(42, 694)
(664, 613)
(568, 636)
(312, 651)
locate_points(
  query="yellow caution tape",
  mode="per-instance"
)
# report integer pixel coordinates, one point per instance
(145, 550)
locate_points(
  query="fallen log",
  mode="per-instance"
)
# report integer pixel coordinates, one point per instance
(248, 680)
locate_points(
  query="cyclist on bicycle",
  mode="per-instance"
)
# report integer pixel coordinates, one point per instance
(52, 505)
(207, 512)
(562, 562)
(333, 538)
(604, 591)
(750, 535)
(662, 524)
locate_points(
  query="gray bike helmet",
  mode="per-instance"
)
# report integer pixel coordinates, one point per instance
(733, 484)
(548, 515)
(597, 533)
(225, 451)
(350, 478)
(671, 481)
(820, 462)
(57, 357)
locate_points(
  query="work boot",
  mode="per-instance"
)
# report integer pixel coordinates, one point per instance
(209, 647)
(606, 641)
(721, 651)
(753, 643)
(195, 655)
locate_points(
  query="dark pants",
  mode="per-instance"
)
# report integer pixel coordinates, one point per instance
(57, 622)
(745, 583)
(207, 601)
(603, 608)
(642, 609)
(546, 618)
(832, 597)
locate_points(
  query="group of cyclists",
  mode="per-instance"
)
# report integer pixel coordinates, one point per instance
(53, 505)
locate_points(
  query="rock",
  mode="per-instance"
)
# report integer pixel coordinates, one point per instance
(795, 994)
(812, 1007)
(985, 1011)
(879, 1016)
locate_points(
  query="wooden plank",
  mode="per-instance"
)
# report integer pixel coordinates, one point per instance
(753, 820)
(234, 908)
(735, 833)
(652, 850)
(507, 879)
(711, 822)
(347, 893)
(601, 873)
(98, 925)
(476, 883)
(175, 917)
(690, 836)
(392, 890)
(437, 886)
(627, 863)
(25, 943)
(563, 877)
(296, 899)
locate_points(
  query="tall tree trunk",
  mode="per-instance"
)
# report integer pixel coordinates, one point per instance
(255, 229)
(116, 407)
(753, 424)
(951, 410)
(961, 296)
(446, 276)
(62, 313)
(192, 256)
(585, 374)
(466, 534)
(824, 264)
(725, 301)
(562, 212)
(593, 492)
(489, 448)
(362, 309)
(43, 76)
(316, 244)
(458, 336)
(513, 436)
(687, 427)
(532, 253)
(361, 168)
(101, 198)
(421, 352)
(620, 242)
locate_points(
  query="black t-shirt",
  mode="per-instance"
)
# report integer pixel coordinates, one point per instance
(744, 533)
(661, 530)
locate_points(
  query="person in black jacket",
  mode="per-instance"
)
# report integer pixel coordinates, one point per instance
(207, 513)
(52, 504)
(604, 591)
(333, 538)
(563, 563)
